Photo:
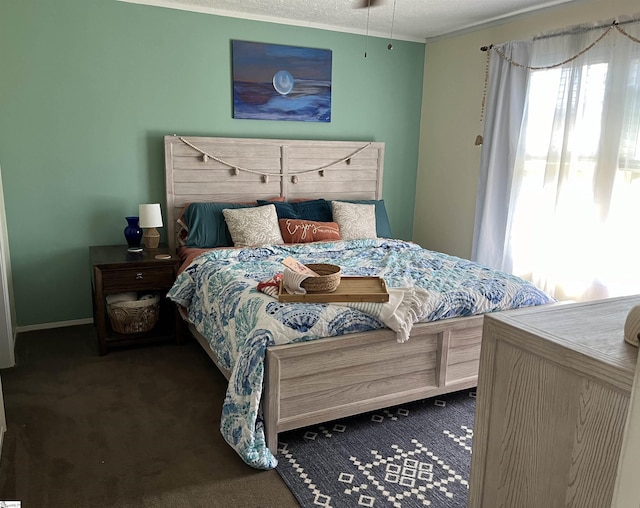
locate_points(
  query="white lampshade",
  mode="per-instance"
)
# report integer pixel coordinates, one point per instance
(150, 216)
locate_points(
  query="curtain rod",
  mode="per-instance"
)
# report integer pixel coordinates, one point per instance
(578, 28)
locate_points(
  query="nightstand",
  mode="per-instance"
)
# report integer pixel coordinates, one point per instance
(115, 270)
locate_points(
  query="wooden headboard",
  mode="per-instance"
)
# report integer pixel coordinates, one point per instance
(226, 170)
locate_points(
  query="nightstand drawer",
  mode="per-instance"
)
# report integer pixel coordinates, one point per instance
(132, 279)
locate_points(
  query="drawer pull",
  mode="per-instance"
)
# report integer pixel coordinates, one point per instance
(138, 275)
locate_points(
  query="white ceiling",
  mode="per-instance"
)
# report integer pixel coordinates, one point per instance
(413, 20)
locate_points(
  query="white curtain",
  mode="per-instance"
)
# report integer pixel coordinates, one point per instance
(506, 95)
(571, 219)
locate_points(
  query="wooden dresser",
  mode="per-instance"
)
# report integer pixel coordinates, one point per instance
(553, 394)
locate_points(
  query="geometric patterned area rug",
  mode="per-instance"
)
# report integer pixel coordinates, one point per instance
(413, 455)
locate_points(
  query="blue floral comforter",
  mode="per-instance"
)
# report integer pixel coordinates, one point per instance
(218, 292)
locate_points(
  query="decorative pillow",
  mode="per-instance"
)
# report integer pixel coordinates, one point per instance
(317, 210)
(383, 228)
(253, 226)
(355, 220)
(304, 231)
(205, 226)
(182, 231)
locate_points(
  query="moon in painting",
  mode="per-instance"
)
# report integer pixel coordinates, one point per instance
(283, 82)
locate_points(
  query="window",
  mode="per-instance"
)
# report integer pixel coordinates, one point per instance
(576, 218)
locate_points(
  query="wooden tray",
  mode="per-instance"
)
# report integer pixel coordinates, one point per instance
(351, 289)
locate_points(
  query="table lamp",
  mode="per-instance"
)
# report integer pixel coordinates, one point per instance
(150, 219)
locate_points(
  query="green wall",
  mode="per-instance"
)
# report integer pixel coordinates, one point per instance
(88, 88)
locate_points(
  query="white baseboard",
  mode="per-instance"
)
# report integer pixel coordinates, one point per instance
(57, 324)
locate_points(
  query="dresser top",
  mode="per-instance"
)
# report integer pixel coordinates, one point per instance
(595, 329)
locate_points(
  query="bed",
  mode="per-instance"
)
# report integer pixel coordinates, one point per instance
(309, 382)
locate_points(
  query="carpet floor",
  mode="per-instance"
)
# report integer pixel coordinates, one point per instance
(414, 455)
(136, 428)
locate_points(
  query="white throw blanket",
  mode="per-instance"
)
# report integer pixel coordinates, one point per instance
(400, 313)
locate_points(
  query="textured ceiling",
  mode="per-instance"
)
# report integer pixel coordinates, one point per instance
(413, 20)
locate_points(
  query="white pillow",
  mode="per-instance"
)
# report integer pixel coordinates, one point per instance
(355, 220)
(253, 226)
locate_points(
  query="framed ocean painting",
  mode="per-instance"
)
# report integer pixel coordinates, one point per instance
(276, 82)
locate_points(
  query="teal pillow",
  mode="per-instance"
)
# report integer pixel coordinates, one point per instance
(317, 210)
(383, 228)
(206, 224)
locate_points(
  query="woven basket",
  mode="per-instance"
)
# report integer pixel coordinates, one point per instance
(137, 316)
(328, 280)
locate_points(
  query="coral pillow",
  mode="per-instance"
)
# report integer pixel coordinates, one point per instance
(304, 231)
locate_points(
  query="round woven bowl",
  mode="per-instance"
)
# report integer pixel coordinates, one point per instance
(328, 281)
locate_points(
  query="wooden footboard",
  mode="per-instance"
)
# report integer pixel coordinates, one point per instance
(326, 379)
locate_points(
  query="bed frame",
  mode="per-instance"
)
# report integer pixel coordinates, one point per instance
(335, 377)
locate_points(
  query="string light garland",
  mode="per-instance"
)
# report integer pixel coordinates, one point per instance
(479, 139)
(615, 25)
(559, 64)
(625, 33)
(264, 174)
